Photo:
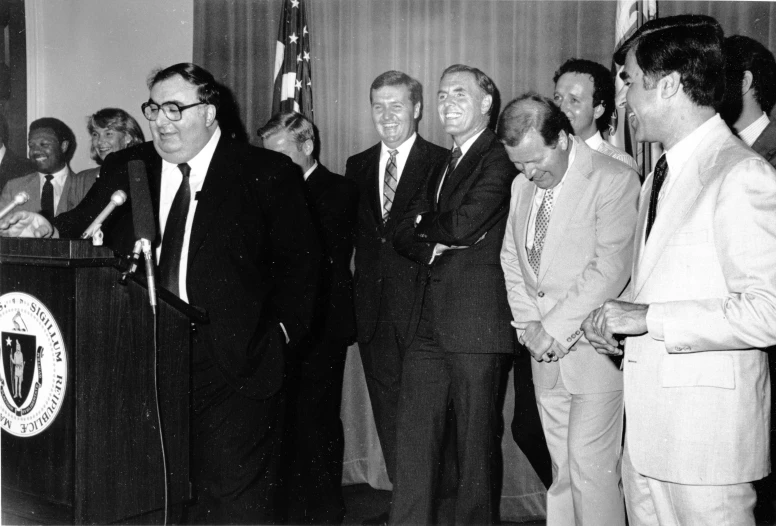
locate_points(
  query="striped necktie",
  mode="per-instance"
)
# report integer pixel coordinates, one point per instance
(390, 181)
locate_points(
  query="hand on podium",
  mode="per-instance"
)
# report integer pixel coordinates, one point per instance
(25, 224)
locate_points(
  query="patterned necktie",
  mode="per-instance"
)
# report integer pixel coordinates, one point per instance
(47, 199)
(661, 170)
(174, 230)
(389, 184)
(542, 223)
(451, 164)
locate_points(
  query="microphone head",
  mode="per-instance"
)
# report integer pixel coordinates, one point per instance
(21, 198)
(119, 197)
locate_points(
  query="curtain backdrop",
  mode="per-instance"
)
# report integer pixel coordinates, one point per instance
(518, 43)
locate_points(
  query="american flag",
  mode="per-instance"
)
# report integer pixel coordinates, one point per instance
(293, 76)
(631, 14)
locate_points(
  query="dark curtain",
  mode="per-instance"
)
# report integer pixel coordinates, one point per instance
(518, 43)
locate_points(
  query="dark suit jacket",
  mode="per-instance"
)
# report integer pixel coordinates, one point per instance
(469, 310)
(765, 144)
(253, 254)
(385, 282)
(14, 166)
(334, 201)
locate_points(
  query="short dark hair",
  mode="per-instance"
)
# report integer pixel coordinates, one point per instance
(294, 123)
(691, 45)
(483, 81)
(60, 129)
(747, 54)
(532, 111)
(114, 119)
(397, 78)
(208, 90)
(603, 85)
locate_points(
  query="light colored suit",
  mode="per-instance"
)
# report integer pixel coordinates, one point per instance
(698, 403)
(75, 188)
(585, 260)
(612, 151)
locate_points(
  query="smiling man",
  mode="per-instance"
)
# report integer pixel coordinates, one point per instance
(584, 91)
(237, 240)
(453, 228)
(53, 187)
(386, 284)
(568, 246)
(701, 307)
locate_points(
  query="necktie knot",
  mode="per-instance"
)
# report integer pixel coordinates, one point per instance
(455, 154)
(185, 169)
(393, 153)
(49, 177)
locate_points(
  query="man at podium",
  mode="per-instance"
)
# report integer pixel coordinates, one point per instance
(237, 240)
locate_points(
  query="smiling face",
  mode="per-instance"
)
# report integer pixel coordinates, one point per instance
(179, 141)
(543, 165)
(46, 151)
(108, 140)
(463, 106)
(394, 115)
(641, 103)
(574, 96)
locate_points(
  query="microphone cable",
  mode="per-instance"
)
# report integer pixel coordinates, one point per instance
(155, 316)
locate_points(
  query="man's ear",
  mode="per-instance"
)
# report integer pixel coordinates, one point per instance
(416, 111)
(669, 85)
(598, 111)
(307, 147)
(563, 140)
(487, 102)
(746, 85)
(64, 145)
(210, 114)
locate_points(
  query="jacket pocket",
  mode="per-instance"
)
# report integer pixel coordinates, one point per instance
(698, 370)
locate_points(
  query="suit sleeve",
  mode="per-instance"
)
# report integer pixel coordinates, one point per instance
(606, 275)
(404, 240)
(745, 241)
(295, 252)
(485, 203)
(524, 309)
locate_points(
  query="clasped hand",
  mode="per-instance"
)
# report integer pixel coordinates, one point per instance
(614, 317)
(25, 224)
(542, 346)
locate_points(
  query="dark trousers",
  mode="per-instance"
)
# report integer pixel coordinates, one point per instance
(235, 453)
(433, 379)
(314, 443)
(382, 361)
(526, 424)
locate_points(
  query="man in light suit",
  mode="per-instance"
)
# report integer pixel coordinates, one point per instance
(314, 443)
(567, 248)
(388, 285)
(750, 93)
(453, 228)
(584, 91)
(54, 188)
(237, 239)
(701, 305)
(11, 165)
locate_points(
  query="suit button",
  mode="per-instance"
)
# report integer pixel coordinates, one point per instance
(541, 294)
(383, 240)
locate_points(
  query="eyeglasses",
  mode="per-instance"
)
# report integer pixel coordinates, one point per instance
(171, 110)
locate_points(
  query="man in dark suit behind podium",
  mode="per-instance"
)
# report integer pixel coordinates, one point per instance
(386, 284)
(238, 241)
(315, 441)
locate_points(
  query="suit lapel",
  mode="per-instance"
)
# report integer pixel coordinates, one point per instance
(214, 190)
(765, 144)
(62, 204)
(411, 176)
(466, 165)
(574, 185)
(373, 185)
(523, 213)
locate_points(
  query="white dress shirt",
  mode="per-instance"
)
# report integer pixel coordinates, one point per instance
(171, 181)
(753, 131)
(402, 152)
(58, 182)
(311, 170)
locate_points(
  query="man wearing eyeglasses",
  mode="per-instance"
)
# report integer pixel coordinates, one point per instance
(236, 239)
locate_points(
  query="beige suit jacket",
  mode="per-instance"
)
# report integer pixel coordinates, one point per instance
(75, 188)
(698, 403)
(586, 259)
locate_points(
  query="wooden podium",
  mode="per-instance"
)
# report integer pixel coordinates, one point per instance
(100, 460)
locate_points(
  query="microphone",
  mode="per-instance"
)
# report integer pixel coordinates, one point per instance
(18, 199)
(118, 198)
(143, 221)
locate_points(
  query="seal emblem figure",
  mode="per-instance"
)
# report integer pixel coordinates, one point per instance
(33, 375)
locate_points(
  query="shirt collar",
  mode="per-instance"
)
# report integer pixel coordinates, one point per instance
(58, 176)
(594, 141)
(200, 162)
(311, 170)
(681, 152)
(468, 144)
(403, 149)
(750, 134)
(2, 152)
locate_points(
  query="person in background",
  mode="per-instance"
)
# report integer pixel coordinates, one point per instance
(111, 130)
(750, 93)
(53, 188)
(11, 165)
(314, 441)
